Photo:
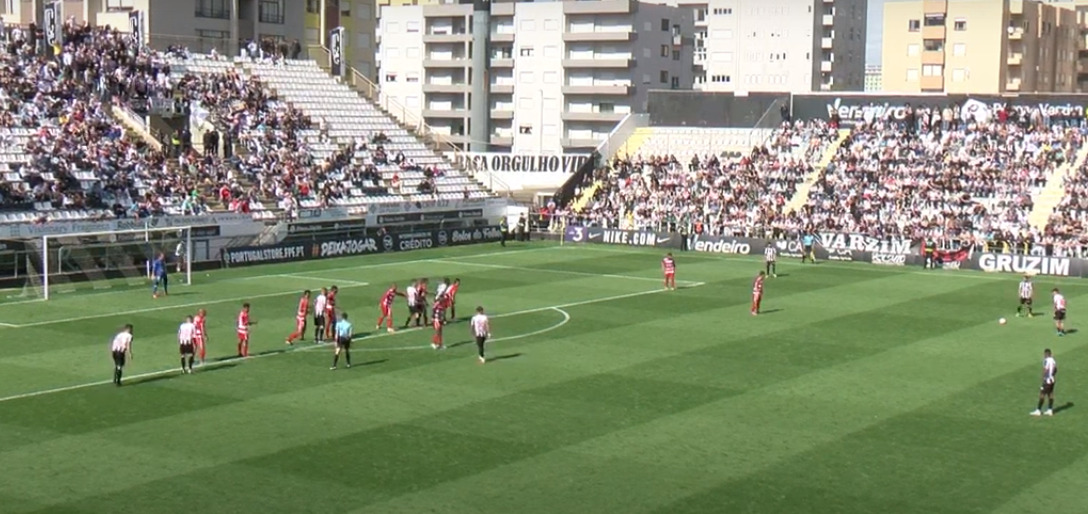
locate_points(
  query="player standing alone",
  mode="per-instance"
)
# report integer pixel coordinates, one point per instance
(158, 275)
(757, 292)
(1027, 292)
(1046, 391)
(300, 319)
(200, 338)
(319, 316)
(386, 307)
(344, 333)
(451, 297)
(807, 252)
(770, 256)
(438, 319)
(243, 331)
(1059, 312)
(481, 331)
(186, 334)
(668, 266)
(121, 348)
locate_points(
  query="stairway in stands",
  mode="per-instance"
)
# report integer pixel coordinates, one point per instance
(801, 195)
(1048, 198)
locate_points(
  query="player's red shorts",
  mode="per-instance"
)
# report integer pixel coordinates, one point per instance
(330, 316)
(670, 274)
(300, 324)
(387, 310)
(198, 341)
(243, 337)
(437, 322)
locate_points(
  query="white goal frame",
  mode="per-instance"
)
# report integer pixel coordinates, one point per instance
(147, 232)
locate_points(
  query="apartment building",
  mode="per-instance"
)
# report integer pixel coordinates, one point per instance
(1080, 8)
(873, 81)
(359, 19)
(779, 45)
(541, 77)
(980, 46)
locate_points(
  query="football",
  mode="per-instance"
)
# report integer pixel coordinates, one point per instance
(1002, 321)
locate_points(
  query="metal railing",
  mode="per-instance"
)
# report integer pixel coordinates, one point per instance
(619, 135)
(410, 120)
(220, 13)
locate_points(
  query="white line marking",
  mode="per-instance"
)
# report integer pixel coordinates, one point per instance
(553, 270)
(289, 350)
(312, 278)
(243, 298)
(564, 321)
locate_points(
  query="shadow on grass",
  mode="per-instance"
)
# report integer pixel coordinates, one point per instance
(1066, 406)
(177, 374)
(504, 357)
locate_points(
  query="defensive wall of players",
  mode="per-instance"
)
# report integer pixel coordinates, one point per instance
(1036, 260)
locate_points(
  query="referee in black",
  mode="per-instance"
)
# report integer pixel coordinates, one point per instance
(344, 333)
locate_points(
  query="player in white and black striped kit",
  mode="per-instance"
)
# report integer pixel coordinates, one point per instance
(1027, 293)
(320, 304)
(415, 305)
(121, 349)
(1046, 390)
(481, 331)
(770, 257)
(186, 335)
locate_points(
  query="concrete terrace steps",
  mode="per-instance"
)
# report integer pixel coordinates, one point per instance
(1048, 198)
(801, 195)
(630, 148)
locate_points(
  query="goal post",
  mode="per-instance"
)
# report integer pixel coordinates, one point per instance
(105, 260)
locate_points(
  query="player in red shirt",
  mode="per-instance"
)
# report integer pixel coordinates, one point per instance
(243, 331)
(300, 319)
(668, 266)
(451, 297)
(386, 306)
(438, 319)
(757, 292)
(201, 336)
(330, 312)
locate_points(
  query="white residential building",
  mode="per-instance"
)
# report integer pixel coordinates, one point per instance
(779, 45)
(559, 75)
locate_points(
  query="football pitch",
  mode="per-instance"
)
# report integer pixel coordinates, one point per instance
(861, 389)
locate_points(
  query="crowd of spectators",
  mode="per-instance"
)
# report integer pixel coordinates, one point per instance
(937, 174)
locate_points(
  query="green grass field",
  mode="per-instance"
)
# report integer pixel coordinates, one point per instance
(862, 390)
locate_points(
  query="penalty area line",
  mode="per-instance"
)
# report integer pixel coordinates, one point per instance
(293, 349)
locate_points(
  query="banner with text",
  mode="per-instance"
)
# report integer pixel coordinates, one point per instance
(611, 236)
(345, 246)
(523, 171)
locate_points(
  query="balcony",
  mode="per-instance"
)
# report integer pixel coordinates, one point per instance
(1015, 59)
(502, 89)
(935, 6)
(446, 88)
(611, 117)
(933, 57)
(455, 112)
(1012, 85)
(1082, 65)
(933, 32)
(501, 115)
(447, 38)
(826, 43)
(597, 90)
(1016, 33)
(502, 62)
(825, 66)
(500, 37)
(578, 142)
(622, 63)
(828, 20)
(932, 83)
(502, 140)
(459, 62)
(447, 10)
(612, 36)
(599, 7)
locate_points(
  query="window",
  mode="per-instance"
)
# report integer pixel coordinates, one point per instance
(213, 9)
(646, 78)
(412, 77)
(525, 129)
(914, 25)
(646, 52)
(934, 20)
(528, 25)
(676, 55)
(959, 49)
(551, 25)
(551, 51)
(606, 107)
(721, 33)
(932, 70)
(111, 5)
(664, 24)
(410, 52)
(270, 11)
(723, 11)
(664, 77)
(912, 75)
(664, 50)
(958, 75)
(412, 26)
(551, 77)
(934, 45)
(959, 25)
(526, 77)
(345, 9)
(675, 83)
(912, 50)
(525, 103)
(313, 6)
(526, 51)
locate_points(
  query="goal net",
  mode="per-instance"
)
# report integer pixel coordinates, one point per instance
(106, 260)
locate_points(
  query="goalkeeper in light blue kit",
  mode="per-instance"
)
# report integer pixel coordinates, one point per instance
(158, 274)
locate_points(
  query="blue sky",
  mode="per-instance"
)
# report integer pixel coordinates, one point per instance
(874, 26)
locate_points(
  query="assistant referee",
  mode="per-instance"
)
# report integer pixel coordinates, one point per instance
(344, 333)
